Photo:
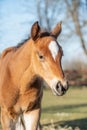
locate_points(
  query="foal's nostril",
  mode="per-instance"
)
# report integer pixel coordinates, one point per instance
(62, 87)
(59, 86)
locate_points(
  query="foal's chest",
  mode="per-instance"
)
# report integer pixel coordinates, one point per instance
(28, 101)
(31, 99)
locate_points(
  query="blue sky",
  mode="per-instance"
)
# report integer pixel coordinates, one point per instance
(16, 19)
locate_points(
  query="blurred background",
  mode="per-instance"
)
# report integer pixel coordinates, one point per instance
(16, 19)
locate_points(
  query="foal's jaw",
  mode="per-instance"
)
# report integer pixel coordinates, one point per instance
(58, 88)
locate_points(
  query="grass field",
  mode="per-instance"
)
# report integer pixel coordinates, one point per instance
(68, 112)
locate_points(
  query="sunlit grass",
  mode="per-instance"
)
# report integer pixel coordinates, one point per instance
(70, 109)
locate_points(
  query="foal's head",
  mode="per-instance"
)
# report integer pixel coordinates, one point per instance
(46, 56)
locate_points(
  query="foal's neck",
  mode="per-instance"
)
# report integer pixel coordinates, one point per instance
(21, 61)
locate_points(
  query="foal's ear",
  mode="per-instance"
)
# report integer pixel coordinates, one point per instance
(57, 30)
(35, 31)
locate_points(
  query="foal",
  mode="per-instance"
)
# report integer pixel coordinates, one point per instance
(23, 69)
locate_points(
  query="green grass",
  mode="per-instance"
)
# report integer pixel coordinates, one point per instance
(68, 110)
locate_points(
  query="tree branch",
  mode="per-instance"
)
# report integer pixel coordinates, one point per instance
(75, 18)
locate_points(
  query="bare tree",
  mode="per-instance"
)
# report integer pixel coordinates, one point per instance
(48, 14)
(74, 10)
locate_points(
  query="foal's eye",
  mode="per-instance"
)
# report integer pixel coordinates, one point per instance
(41, 57)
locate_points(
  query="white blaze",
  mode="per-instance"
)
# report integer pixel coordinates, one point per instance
(53, 47)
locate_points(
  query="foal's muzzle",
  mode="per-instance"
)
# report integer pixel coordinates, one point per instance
(60, 88)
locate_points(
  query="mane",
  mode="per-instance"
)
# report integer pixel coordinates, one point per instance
(22, 43)
(43, 34)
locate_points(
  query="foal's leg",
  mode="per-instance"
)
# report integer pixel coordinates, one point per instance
(7, 123)
(20, 124)
(31, 119)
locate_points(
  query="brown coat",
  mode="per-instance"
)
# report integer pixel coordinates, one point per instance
(22, 70)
